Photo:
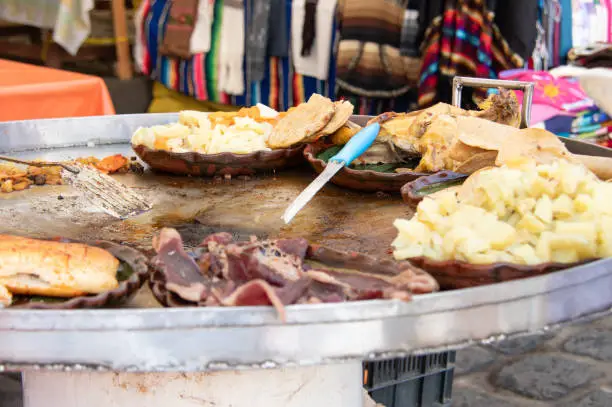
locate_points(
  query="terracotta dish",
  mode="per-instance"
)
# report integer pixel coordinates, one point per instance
(414, 191)
(197, 164)
(453, 274)
(361, 180)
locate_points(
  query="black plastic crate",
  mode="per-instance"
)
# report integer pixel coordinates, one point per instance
(416, 381)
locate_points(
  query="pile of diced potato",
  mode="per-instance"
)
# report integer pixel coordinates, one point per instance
(528, 214)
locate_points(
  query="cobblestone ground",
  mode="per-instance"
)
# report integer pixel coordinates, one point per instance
(568, 368)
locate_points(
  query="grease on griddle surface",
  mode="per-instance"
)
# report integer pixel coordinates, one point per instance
(344, 220)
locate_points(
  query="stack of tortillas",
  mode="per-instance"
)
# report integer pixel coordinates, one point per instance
(308, 121)
(482, 143)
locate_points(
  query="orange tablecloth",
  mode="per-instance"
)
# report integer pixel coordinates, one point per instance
(35, 92)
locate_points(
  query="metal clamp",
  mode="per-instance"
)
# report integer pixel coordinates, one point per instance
(526, 87)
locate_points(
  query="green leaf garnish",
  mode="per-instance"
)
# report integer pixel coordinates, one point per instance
(385, 168)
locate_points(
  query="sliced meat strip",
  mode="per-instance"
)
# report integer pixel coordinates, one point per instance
(256, 292)
(297, 247)
(264, 260)
(320, 292)
(359, 286)
(222, 238)
(181, 271)
(292, 292)
(195, 292)
(415, 280)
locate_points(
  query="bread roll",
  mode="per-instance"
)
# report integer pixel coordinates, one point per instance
(55, 269)
(6, 298)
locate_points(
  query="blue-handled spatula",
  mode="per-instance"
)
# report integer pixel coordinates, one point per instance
(356, 146)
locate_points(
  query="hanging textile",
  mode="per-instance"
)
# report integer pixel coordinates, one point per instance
(372, 72)
(198, 75)
(179, 29)
(464, 40)
(566, 30)
(311, 34)
(369, 60)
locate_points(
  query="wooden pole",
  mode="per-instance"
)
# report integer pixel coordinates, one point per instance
(122, 45)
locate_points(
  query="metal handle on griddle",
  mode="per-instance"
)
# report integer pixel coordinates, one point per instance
(527, 87)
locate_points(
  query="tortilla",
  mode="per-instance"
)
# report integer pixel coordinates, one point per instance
(343, 112)
(303, 122)
(600, 166)
(537, 144)
(460, 152)
(477, 162)
(482, 133)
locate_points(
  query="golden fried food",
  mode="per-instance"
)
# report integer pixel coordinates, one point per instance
(432, 133)
(345, 133)
(112, 164)
(302, 123)
(343, 112)
(57, 269)
(15, 178)
(434, 145)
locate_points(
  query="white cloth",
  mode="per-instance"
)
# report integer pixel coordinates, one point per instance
(201, 35)
(69, 19)
(231, 49)
(138, 50)
(317, 63)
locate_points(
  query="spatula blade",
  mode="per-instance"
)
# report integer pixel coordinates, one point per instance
(356, 146)
(311, 190)
(106, 193)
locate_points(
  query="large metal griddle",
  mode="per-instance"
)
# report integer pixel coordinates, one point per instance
(253, 336)
(146, 338)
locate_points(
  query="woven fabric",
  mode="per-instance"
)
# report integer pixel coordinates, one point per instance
(197, 76)
(462, 41)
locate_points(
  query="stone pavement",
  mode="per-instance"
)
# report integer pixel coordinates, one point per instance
(568, 368)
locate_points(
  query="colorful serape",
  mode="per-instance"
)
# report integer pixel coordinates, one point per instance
(464, 40)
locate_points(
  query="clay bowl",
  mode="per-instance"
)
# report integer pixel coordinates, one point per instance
(453, 274)
(209, 165)
(132, 273)
(361, 180)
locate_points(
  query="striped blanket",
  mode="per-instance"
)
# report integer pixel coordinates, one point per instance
(464, 40)
(197, 76)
